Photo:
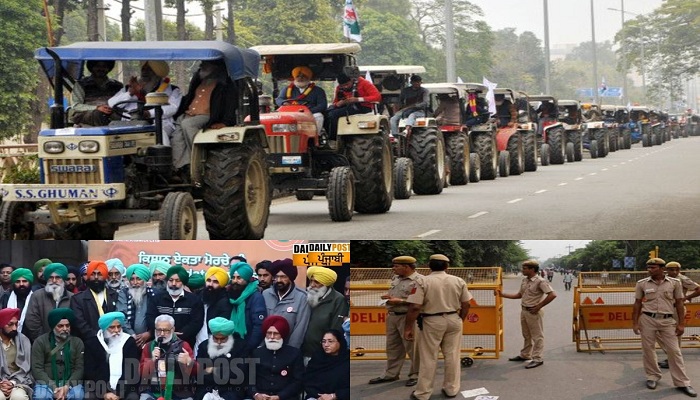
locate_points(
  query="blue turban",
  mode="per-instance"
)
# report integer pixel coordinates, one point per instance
(106, 320)
(243, 269)
(140, 270)
(161, 266)
(116, 263)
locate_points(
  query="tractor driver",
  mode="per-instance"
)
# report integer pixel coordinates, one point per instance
(413, 99)
(546, 110)
(352, 96)
(90, 95)
(505, 111)
(302, 91)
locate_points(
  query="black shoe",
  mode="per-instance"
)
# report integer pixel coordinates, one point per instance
(413, 396)
(663, 364)
(534, 364)
(652, 385)
(518, 358)
(444, 393)
(382, 379)
(411, 382)
(688, 390)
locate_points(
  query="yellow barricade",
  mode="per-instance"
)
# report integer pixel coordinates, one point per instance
(482, 329)
(602, 312)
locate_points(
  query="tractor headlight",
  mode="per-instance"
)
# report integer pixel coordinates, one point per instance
(367, 125)
(279, 128)
(54, 147)
(89, 146)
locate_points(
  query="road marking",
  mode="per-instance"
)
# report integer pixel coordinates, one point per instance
(623, 163)
(615, 165)
(514, 201)
(604, 169)
(563, 184)
(541, 191)
(593, 173)
(479, 214)
(578, 179)
(430, 232)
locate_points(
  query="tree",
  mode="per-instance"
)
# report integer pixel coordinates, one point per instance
(518, 61)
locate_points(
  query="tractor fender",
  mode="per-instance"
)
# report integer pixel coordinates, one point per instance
(362, 124)
(503, 135)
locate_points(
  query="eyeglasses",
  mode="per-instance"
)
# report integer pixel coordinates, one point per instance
(328, 341)
(273, 334)
(159, 330)
(54, 278)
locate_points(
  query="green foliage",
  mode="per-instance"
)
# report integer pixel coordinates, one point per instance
(518, 61)
(169, 31)
(597, 255)
(25, 171)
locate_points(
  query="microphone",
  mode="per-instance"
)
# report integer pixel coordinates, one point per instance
(159, 340)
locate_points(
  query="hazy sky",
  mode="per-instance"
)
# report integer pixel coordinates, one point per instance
(544, 249)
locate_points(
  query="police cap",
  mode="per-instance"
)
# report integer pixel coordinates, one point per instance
(531, 263)
(673, 264)
(439, 257)
(656, 261)
(403, 260)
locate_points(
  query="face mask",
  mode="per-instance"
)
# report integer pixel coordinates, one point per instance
(96, 285)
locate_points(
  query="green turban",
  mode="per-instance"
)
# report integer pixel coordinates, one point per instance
(57, 314)
(22, 273)
(140, 270)
(196, 281)
(243, 269)
(161, 266)
(41, 263)
(221, 325)
(106, 320)
(58, 268)
(179, 271)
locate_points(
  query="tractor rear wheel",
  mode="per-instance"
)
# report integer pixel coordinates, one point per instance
(427, 150)
(371, 162)
(13, 226)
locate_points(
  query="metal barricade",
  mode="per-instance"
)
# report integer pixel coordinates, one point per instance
(482, 329)
(602, 312)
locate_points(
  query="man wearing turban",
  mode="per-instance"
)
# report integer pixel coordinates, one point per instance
(328, 307)
(39, 267)
(115, 273)
(16, 380)
(21, 293)
(133, 303)
(287, 300)
(244, 306)
(280, 369)
(94, 302)
(186, 308)
(57, 359)
(304, 92)
(153, 79)
(111, 353)
(220, 348)
(73, 280)
(158, 271)
(214, 300)
(42, 301)
(90, 94)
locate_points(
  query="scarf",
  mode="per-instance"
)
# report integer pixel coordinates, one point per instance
(303, 94)
(167, 391)
(115, 357)
(12, 303)
(96, 296)
(67, 360)
(472, 104)
(238, 311)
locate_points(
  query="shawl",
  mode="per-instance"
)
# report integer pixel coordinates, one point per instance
(238, 310)
(12, 303)
(115, 357)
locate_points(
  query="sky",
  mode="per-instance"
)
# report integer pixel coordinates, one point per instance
(544, 249)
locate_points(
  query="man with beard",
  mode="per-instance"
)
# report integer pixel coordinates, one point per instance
(244, 306)
(185, 308)
(214, 362)
(15, 369)
(262, 270)
(278, 374)
(83, 277)
(167, 363)
(53, 296)
(21, 292)
(158, 271)
(153, 79)
(115, 272)
(304, 92)
(5, 282)
(72, 281)
(287, 300)
(133, 303)
(39, 267)
(110, 361)
(214, 291)
(57, 360)
(93, 303)
(328, 308)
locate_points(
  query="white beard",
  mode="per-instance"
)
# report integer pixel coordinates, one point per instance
(314, 296)
(55, 290)
(112, 341)
(301, 86)
(274, 344)
(114, 284)
(215, 349)
(137, 295)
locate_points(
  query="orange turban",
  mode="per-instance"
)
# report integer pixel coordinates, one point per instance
(97, 265)
(302, 70)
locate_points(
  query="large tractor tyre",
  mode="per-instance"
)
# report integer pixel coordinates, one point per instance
(446, 175)
(504, 164)
(601, 136)
(304, 195)
(531, 152)
(12, 223)
(646, 142)
(371, 162)
(684, 133)
(517, 155)
(458, 150)
(627, 140)
(613, 142)
(485, 147)
(341, 193)
(570, 152)
(544, 154)
(474, 168)
(427, 150)
(403, 178)
(236, 192)
(593, 148)
(557, 143)
(178, 217)
(578, 147)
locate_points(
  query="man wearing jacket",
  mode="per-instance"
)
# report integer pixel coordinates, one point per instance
(94, 302)
(328, 308)
(352, 96)
(15, 370)
(284, 298)
(53, 296)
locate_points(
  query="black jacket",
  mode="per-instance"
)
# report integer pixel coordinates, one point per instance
(86, 313)
(255, 313)
(278, 372)
(222, 104)
(187, 311)
(233, 372)
(97, 368)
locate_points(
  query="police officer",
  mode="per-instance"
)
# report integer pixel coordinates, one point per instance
(691, 290)
(444, 300)
(653, 319)
(535, 293)
(403, 284)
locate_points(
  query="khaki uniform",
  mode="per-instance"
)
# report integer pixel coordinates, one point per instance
(532, 325)
(441, 296)
(656, 322)
(396, 346)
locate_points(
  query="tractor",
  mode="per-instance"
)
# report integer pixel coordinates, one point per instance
(551, 134)
(482, 131)
(570, 117)
(509, 138)
(611, 124)
(596, 137)
(642, 131)
(528, 128)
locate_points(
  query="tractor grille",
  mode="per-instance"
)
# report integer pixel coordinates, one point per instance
(277, 144)
(73, 177)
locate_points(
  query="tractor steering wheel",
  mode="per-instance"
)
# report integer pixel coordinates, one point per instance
(129, 115)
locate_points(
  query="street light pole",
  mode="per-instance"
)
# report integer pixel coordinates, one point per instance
(643, 66)
(595, 58)
(625, 96)
(547, 81)
(450, 43)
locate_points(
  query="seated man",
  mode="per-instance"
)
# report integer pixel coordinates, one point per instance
(221, 348)
(302, 90)
(477, 111)
(546, 110)
(447, 111)
(15, 376)
(505, 111)
(210, 103)
(413, 101)
(91, 93)
(352, 96)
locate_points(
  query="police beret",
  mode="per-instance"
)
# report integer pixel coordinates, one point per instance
(403, 260)
(531, 263)
(656, 261)
(673, 264)
(439, 257)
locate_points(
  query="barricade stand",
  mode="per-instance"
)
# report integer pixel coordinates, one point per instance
(482, 331)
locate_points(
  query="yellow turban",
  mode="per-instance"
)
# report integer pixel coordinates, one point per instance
(160, 68)
(325, 276)
(302, 70)
(218, 273)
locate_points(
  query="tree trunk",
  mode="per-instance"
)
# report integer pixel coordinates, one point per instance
(92, 32)
(179, 68)
(231, 32)
(126, 20)
(208, 8)
(59, 7)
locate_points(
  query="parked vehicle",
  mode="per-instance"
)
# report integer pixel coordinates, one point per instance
(551, 134)
(570, 116)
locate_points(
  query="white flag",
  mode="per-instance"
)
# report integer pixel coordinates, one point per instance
(459, 80)
(490, 96)
(351, 24)
(368, 76)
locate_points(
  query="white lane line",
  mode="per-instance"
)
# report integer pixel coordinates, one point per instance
(514, 201)
(604, 169)
(593, 173)
(614, 165)
(623, 163)
(563, 184)
(479, 214)
(430, 232)
(578, 179)
(541, 191)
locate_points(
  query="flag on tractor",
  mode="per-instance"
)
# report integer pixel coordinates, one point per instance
(351, 25)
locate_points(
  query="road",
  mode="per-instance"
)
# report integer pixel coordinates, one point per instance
(566, 374)
(641, 193)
